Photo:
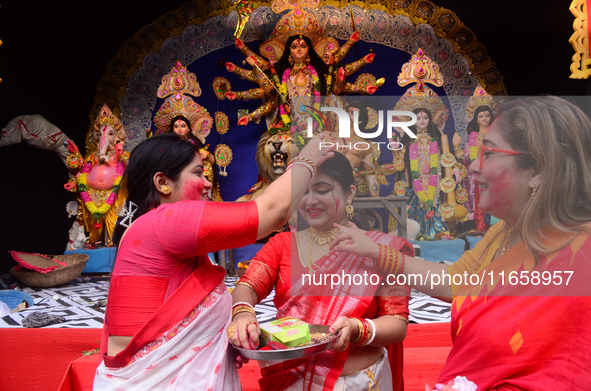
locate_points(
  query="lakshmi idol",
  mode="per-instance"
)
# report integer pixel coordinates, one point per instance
(479, 114)
(303, 65)
(99, 176)
(181, 115)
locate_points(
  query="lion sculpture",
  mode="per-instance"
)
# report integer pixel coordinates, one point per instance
(274, 151)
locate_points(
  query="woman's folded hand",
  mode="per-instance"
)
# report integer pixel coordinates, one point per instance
(244, 331)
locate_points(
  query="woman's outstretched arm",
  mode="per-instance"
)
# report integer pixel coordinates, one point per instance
(418, 272)
(279, 200)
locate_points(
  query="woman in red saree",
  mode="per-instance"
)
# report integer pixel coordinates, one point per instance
(521, 298)
(168, 307)
(290, 261)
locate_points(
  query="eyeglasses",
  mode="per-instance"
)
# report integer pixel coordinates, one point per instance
(482, 149)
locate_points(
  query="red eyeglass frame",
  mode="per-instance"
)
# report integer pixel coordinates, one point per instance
(483, 148)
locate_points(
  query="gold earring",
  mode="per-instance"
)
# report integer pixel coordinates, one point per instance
(290, 60)
(533, 193)
(165, 189)
(350, 210)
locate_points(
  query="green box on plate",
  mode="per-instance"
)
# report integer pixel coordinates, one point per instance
(288, 331)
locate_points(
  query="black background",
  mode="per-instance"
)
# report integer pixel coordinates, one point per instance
(55, 53)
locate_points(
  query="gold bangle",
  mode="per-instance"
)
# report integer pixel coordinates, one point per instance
(397, 259)
(384, 258)
(361, 333)
(234, 313)
(242, 308)
(305, 159)
(368, 335)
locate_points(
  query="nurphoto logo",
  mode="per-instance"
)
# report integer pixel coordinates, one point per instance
(392, 121)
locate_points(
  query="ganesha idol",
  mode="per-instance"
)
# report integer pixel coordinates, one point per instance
(99, 175)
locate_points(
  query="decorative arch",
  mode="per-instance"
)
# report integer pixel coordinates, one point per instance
(580, 40)
(199, 33)
(155, 37)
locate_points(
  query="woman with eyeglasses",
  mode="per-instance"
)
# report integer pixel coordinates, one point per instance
(521, 299)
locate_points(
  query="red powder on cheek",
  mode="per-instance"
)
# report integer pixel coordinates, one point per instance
(501, 191)
(192, 190)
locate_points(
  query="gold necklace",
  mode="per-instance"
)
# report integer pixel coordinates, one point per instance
(323, 238)
(507, 241)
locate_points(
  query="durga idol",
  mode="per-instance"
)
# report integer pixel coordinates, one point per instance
(302, 65)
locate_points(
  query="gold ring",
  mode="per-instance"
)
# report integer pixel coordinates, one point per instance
(251, 322)
(231, 331)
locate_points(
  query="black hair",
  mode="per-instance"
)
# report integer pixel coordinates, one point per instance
(339, 169)
(167, 153)
(473, 125)
(315, 60)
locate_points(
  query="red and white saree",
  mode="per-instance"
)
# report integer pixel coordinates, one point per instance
(278, 264)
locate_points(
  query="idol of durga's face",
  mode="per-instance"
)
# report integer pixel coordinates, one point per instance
(298, 50)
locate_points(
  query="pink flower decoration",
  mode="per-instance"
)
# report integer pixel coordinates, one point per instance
(432, 180)
(413, 152)
(85, 196)
(433, 147)
(429, 215)
(417, 184)
(120, 168)
(111, 198)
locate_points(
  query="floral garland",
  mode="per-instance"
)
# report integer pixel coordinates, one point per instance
(282, 87)
(426, 197)
(243, 265)
(472, 145)
(98, 213)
